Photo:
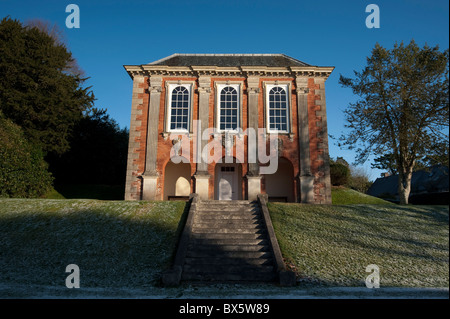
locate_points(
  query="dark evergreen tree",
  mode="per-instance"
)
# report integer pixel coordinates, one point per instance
(97, 155)
(38, 91)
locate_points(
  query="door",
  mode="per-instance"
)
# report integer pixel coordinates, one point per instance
(228, 183)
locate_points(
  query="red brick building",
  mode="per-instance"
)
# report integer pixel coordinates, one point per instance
(185, 103)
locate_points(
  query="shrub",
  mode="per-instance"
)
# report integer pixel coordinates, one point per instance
(23, 171)
(339, 173)
(359, 179)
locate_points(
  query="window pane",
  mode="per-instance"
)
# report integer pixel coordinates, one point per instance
(228, 108)
(179, 108)
(278, 109)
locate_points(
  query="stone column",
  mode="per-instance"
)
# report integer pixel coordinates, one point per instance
(323, 145)
(131, 184)
(306, 179)
(150, 176)
(202, 176)
(253, 177)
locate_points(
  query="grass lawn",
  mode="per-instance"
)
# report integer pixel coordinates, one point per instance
(345, 196)
(333, 244)
(115, 243)
(127, 244)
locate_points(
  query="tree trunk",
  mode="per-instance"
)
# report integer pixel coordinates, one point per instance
(404, 185)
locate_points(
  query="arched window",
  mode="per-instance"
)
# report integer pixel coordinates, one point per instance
(179, 109)
(278, 119)
(228, 109)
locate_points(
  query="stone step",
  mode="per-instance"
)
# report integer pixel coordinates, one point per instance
(218, 269)
(205, 225)
(227, 254)
(227, 276)
(231, 218)
(225, 248)
(227, 213)
(212, 261)
(212, 235)
(228, 225)
(226, 202)
(231, 214)
(242, 230)
(226, 210)
(230, 241)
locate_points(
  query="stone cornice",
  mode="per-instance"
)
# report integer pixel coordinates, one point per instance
(239, 71)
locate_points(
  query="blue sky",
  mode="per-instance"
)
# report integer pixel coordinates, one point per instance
(327, 33)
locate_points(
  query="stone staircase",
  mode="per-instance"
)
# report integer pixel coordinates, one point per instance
(228, 242)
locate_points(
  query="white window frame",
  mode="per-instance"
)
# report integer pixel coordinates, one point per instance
(219, 88)
(286, 88)
(170, 87)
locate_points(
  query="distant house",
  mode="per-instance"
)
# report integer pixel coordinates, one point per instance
(427, 187)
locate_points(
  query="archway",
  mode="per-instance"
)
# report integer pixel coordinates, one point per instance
(280, 185)
(177, 181)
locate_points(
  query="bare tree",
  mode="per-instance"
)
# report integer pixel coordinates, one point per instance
(403, 108)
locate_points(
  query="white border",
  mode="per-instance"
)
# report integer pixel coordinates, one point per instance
(238, 88)
(170, 86)
(286, 87)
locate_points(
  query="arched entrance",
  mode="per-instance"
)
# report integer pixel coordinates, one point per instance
(177, 181)
(280, 185)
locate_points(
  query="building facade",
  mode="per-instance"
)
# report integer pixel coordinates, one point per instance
(228, 127)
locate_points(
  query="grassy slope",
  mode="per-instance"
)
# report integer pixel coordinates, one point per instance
(115, 243)
(346, 196)
(128, 244)
(333, 244)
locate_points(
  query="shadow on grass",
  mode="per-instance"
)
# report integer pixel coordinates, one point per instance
(408, 231)
(126, 248)
(334, 244)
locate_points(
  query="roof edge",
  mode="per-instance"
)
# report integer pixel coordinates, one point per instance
(227, 54)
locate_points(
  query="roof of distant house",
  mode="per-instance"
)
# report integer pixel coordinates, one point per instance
(433, 180)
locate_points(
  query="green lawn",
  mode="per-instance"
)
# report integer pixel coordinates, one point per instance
(345, 196)
(115, 243)
(127, 244)
(333, 244)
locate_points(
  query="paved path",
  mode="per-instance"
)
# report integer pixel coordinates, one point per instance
(222, 291)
